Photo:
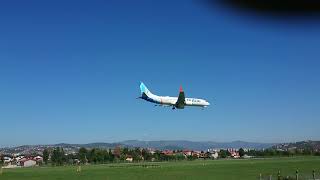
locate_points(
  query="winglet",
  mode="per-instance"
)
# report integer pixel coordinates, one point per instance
(181, 90)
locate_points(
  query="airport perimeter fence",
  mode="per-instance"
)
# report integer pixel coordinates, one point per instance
(294, 176)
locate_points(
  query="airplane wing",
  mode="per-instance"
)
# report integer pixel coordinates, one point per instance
(181, 99)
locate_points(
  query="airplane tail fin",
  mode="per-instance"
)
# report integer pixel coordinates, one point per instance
(144, 90)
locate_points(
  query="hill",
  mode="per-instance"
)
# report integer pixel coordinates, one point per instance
(201, 145)
(301, 145)
(161, 145)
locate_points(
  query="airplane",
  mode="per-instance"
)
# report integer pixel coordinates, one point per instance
(175, 102)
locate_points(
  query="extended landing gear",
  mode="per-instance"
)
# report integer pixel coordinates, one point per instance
(173, 108)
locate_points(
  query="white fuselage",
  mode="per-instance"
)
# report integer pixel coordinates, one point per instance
(167, 100)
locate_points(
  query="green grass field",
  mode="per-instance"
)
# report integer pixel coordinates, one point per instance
(197, 170)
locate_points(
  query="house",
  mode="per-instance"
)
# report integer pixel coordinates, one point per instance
(18, 158)
(214, 154)
(27, 162)
(187, 153)
(234, 153)
(7, 160)
(38, 159)
(168, 152)
(203, 155)
(196, 154)
(129, 158)
(151, 150)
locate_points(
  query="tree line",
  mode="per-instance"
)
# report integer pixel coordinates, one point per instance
(58, 157)
(277, 152)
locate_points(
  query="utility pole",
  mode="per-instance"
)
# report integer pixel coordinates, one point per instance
(297, 174)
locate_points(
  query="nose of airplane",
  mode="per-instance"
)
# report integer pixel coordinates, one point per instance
(207, 103)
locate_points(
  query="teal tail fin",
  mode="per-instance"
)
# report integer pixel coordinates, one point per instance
(143, 89)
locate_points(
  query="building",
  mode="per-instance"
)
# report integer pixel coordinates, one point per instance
(203, 155)
(27, 162)
(234, 153)
(151, 150)
(214, 154)
(168, 152)
(39, 159)
(187, 153)
(7, 160)
(129, 158)
(196, 154)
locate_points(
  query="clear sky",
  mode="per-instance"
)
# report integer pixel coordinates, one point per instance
(70, 72)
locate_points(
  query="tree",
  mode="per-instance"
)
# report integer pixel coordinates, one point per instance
(117, 152)
(111, 156)
(46, 154)
(223, 153)
(123, 153)
(58, 156)
(83, 155)
(190, 158)
(70, 158)
(100, 155)
(92, 157)
(146, 155)
(54, 157)
(241, 152)
(159, 156)
(1, 160)
(307, 151)
(136, 154)
(180, 157)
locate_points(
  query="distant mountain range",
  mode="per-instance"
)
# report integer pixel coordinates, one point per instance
(100, 145)
(160, 145)
(173, 144)
(164, 145)
(194, 145)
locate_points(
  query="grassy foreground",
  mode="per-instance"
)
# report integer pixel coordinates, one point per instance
(201, 169)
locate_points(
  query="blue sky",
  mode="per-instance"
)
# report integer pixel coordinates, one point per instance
(70, 72)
